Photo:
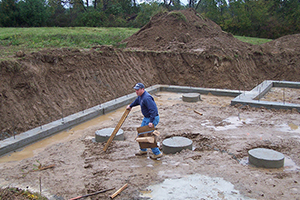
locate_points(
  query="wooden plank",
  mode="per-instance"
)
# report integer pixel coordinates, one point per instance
(119, 191)
(144, 145)
(146, 131)
(87, 195)
(198, 112)
(143, 129)
(110, 139)
(145, 139)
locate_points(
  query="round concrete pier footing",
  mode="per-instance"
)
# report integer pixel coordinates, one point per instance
(104, 134)
(176, 144)
(267, 158)
(191, 97)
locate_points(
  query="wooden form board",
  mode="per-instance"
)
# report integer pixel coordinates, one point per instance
(146, 131)
(143, 129)
(110, 139)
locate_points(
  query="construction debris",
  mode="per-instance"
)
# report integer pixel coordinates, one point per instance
(119, 191)
(87, 195)
(198, 112)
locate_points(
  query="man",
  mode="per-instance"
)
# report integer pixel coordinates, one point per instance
(150, 112)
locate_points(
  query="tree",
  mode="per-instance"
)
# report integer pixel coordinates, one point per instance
(58, 15)
(213, 9)
(172, 4)
(9, 13)
(191, 3)
(146, 12)
(238, 22)
(289, 15)
(91, 18)
(33, 13)
(258, 12)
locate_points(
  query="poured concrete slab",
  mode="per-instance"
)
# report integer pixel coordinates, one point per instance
(267, 158)
(104, 134)
(176, 144)
(191, 97)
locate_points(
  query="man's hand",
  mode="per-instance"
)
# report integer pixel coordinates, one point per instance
(128, 107)
(150, 124)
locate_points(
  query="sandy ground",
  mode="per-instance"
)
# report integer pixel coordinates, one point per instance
(283, 95)
(221, 139)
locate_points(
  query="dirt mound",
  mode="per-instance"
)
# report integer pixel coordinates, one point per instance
(288, 43)
(184, 30)
(279, 59)
(187, 31)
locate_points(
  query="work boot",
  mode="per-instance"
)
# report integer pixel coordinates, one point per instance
(140, 153)
(156, 156)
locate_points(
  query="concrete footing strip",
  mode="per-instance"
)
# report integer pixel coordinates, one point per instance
(243, 97)
(252, 98)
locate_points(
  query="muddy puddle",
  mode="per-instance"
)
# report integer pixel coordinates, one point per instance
(60, 137)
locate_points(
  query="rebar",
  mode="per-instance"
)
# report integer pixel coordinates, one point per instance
(40, 185)
(258, 94)
(62, 114)
(283, 95)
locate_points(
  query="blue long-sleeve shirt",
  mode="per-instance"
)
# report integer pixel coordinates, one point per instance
(148, 105)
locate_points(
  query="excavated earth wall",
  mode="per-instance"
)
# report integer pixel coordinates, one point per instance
(50, 84)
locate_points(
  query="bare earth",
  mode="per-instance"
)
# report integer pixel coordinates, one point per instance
(283, 95)
(221, 139)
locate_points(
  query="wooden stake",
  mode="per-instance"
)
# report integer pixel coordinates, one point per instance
(198, 112)
(119, 191)
(46, 167)
(87, 195)
(116, 129)
(40, 186)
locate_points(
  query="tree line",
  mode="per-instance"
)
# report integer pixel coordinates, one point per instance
(254, 18)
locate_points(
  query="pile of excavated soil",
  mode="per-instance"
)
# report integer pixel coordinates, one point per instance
(187, 31)
(175, 48)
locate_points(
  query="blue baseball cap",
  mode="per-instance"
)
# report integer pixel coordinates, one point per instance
(139, 86)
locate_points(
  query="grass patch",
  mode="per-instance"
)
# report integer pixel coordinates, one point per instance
(178, 15)
(16, 193)
(34, 39)
(253, 40)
